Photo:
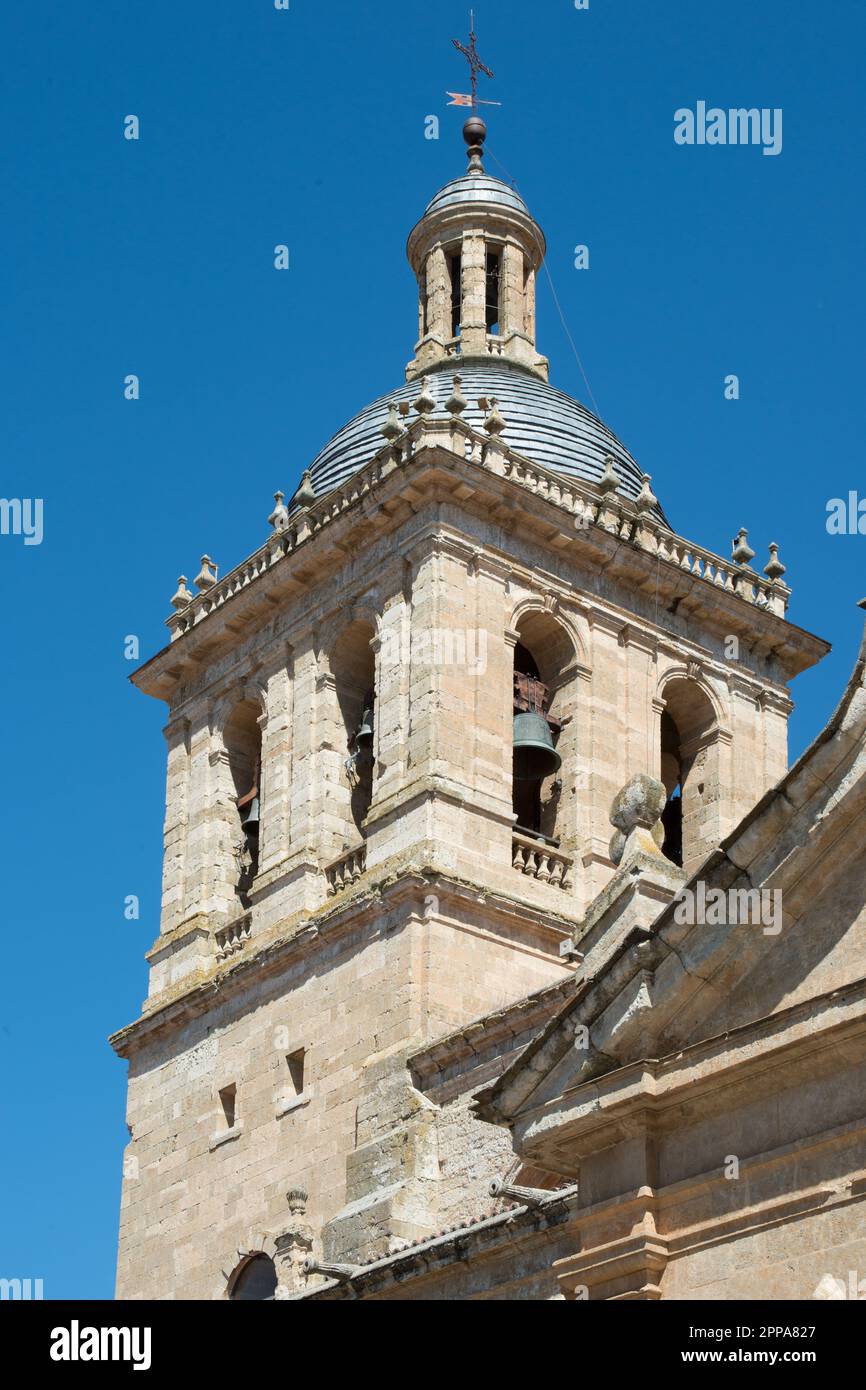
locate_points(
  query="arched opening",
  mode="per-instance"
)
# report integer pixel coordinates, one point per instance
(455, 271)
(689, 773)
(423, 308)
(542, 704)
(671, 769)
(353, 666)
(255, 1281)
(492, 289)
(242, 738)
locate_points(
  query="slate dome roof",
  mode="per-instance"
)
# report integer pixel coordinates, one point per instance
(477, 188)
(549, 427)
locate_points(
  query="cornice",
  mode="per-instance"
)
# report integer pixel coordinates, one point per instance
(380, 890)
(430, 461)
(652, 1093)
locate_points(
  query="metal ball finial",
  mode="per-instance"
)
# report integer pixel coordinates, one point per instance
(475, 133)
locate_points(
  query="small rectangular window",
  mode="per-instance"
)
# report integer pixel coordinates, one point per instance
(456, 264)
(492, 284)
(228, 1101)
(295, 1065)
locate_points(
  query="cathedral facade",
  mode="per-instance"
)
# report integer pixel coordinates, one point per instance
(501, 953)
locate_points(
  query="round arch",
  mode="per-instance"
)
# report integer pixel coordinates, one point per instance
(697, 679)
(248, 692)
(255, 1280)
(534, 606)
(261, 1244)
(549, 651)
(332, 629)
(691, 737)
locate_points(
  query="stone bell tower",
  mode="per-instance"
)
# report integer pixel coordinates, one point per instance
(394, 734)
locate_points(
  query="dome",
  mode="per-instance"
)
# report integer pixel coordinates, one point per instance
(549, 427)
(477, 188)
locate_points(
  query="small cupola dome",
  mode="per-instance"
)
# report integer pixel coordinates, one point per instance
(475, 254)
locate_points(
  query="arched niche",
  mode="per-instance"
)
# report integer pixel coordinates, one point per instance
(690, 770)
(545, 650)
(242, 744)
(352, 665)
(254, 1280)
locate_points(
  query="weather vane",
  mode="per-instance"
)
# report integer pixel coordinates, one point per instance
(475, 66)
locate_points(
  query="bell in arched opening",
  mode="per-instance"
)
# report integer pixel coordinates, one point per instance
(250, 821)
(248, 807)
(364, 731)
(535, 756)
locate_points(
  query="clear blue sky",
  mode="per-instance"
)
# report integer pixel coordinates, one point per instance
(307, 127)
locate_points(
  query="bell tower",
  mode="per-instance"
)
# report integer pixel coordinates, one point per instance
(395, 734)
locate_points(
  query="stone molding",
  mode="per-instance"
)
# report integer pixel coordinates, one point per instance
(393, 886)
(552, 492)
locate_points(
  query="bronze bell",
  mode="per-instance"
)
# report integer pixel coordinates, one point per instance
(534, 754)
(364, 732)
(250, 825)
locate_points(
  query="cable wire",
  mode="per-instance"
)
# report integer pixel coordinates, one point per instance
(556, 301)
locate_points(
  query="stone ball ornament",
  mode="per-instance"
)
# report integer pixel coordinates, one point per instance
(640, 802)
(638, 807)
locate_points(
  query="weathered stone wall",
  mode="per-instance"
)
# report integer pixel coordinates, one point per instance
(443, 586)
(786, 1260)
(356, 1003)
(444, 620)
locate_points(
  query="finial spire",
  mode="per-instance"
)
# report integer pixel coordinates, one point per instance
(775, 569)
(474, 131)
(475, 66)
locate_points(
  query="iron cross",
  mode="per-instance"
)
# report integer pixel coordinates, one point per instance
(475, 63)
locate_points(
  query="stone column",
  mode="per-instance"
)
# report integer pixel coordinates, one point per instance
(177, 735)
(708, 810)
(438, 294)
(422, 305)
(332, 799)
(512, 305)
(573, 815)
(776, 709)
(393, 673)
(474, 317)
(201, 847)
(225, 837)
(529, 306)
(304, 795)
(276, 775)
(607, 756)
(443, 721)
(642, 755)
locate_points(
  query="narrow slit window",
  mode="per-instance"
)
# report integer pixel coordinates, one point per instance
(295, 1065)
(228, 1101)
(456, 264)
(492, 290)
